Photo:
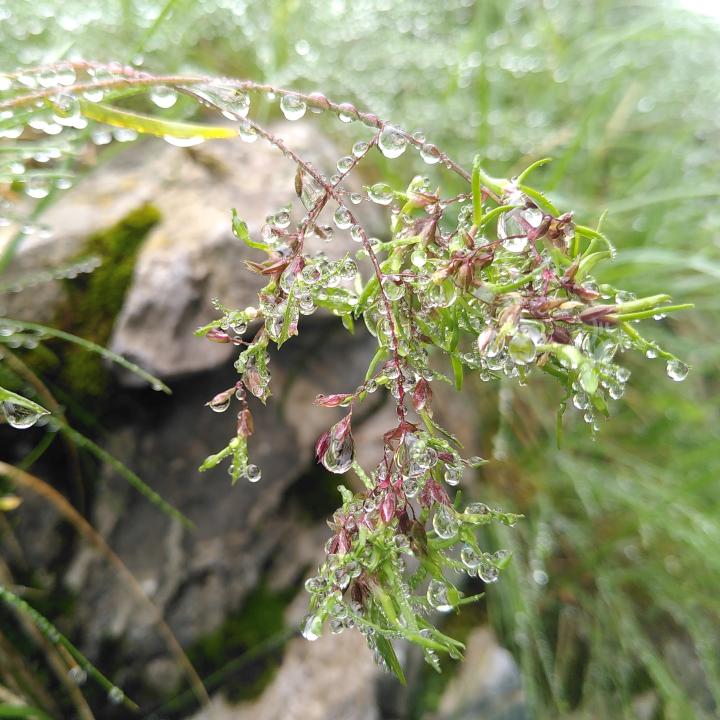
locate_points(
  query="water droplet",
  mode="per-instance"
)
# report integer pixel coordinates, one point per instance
(445, 523)
(253, 473)
(20, 417)
(311, 274)
(338, 457)
(164, 97)
(65, 74)
(521, 349)
(356, 233)
(540, 577)
(437, 596)
(345, 163)
(677, 370)
(430, 154)
(360, 148)
(116, 695)
(453, 475)
(381, 193)
(183, 142)
(293, 107)
(312, 629)
(346, 112)
(477, 509)
(47, 78)
(393, 291)
(487, 572)
(101, 136)
(392, 142)
(247, 132)
(37, 187)
(77, 675)
(470, 557)
(342, 218)
(66, 110)
(94, 94)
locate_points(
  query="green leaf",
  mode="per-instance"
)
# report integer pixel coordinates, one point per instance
(539, 199)
(156, 383)
(9, 396)
(22, 711)
(149, 125)
(537, 164)
(241, 232)
(457, 370)
(387, 653)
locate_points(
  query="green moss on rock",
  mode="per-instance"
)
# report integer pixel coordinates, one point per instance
(93, 302)
(260, 618)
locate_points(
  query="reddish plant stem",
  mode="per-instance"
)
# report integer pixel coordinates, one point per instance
(136, 78)
(332, 191)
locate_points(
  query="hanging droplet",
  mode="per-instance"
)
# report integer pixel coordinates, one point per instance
(342, 218)
(393, 291)
(94, 94)
(430, 154)
(66, 110)
(292, 106)
(253, 473)
(116, 695)
(312, 629)
(345, 163)
(338, 457)
(437, 596)
(445, 523)
(453, 475)
(47, 78)
(77, 675)
(360, 148)
(677, 370)
(470, 557)
(381, 193)
(346, 112)
(247, 132)
(487, 572)
(164, 97)
(522, 349)
(65, 74)
(477, 509)
(37, 187)
(183, 142)
(392, 142)
(19, 416)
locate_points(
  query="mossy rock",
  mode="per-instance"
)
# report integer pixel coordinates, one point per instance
(233, 649)
(92, 303)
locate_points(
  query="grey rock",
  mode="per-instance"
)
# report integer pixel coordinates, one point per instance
(191, 255)
(196, 578)
(487, 685)
(331, 679)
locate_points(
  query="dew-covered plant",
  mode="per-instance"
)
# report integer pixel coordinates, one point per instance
(493, 279)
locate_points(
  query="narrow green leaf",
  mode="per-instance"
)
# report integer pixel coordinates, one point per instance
(149, 125)
(387, 653)
(156, 383)
(10, 396)
(537, 164)
(457, 370)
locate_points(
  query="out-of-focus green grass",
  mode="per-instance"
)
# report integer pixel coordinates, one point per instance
(616, 582)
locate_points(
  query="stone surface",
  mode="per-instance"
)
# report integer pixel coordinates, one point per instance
(190, 256)
(487, 685)
(241, 533)
(331, 679)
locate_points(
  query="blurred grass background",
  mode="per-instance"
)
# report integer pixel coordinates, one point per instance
(612, 603)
